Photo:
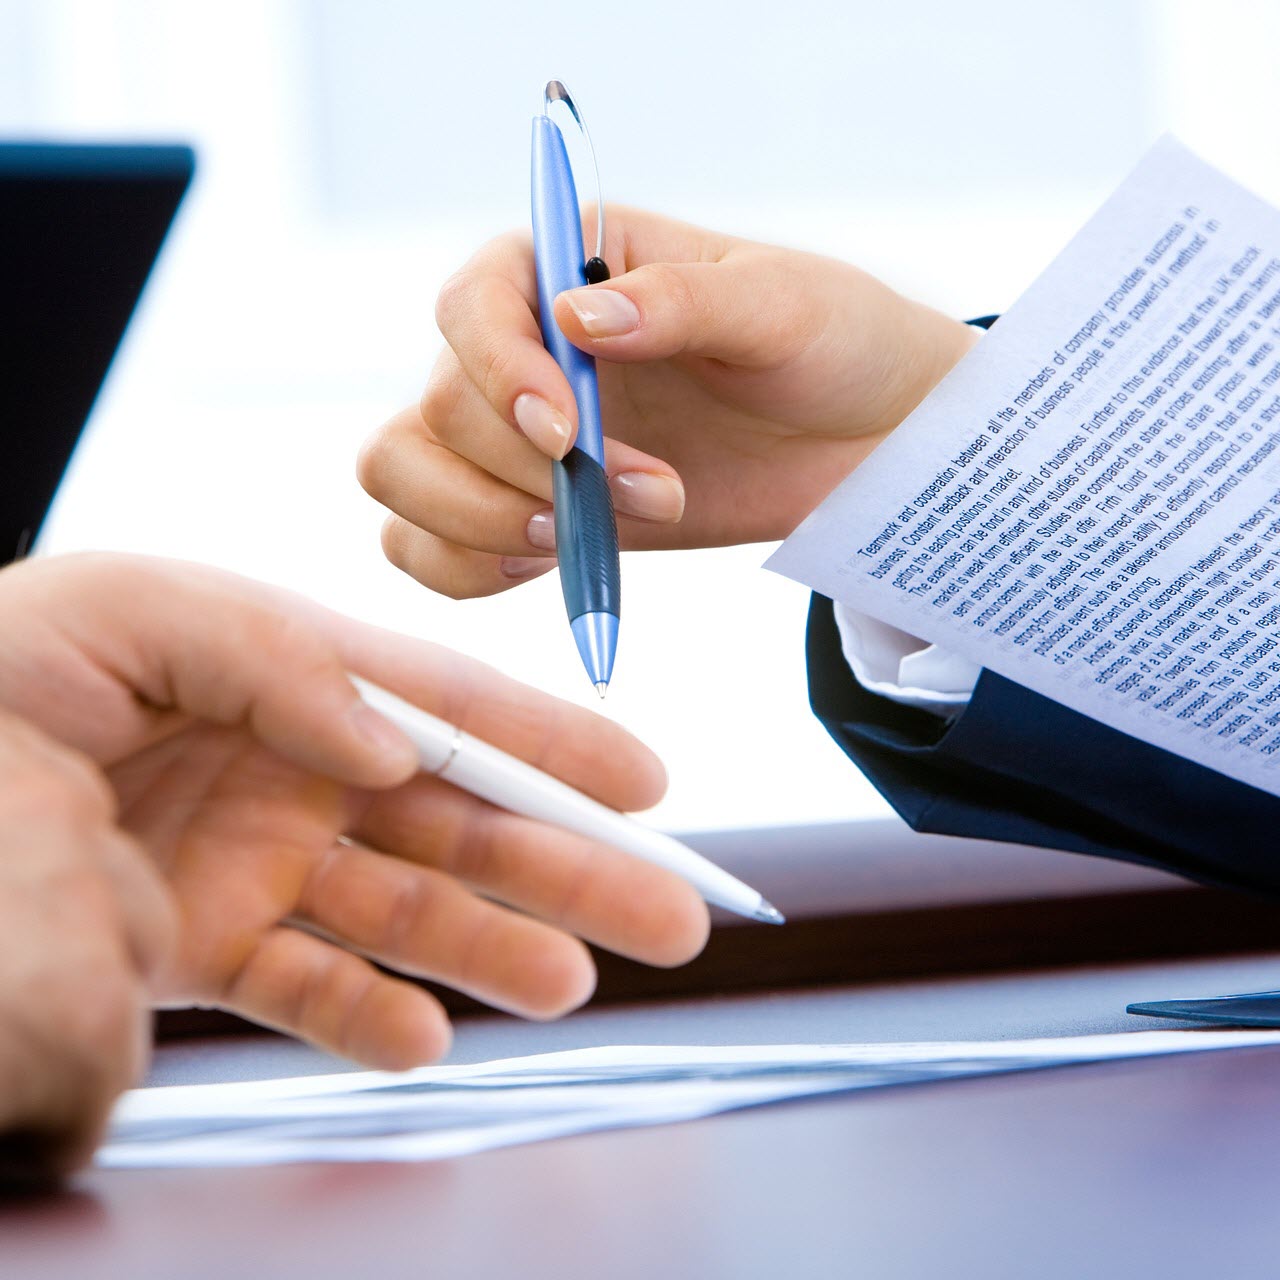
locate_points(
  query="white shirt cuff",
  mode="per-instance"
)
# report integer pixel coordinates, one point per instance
(902, 667)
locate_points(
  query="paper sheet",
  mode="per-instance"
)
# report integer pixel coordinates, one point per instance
(438, 1112)
(1089, 504)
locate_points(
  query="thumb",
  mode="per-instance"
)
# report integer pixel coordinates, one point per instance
(180, 639)
(745, 309)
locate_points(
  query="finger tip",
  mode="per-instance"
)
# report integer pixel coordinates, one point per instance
(388, 757)
(547, 427)
(569, 441)
(641, 777)
(406, 1029)
(682, 928)
(569, 320)
(649, 491)
(390, 771)
(649, 781)
(427, 1043)
(563, 309)
(660, 780)
(560, 980)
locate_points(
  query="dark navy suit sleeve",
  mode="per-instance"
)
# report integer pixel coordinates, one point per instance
(1018, 767)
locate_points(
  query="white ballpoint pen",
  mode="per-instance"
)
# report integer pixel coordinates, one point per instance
(473, 765)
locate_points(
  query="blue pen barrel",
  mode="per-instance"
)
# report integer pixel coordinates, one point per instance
(558, 252)
(586, 532)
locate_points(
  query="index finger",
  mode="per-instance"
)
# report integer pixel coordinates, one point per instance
(582, 748)
(578, 746)
(488, 314)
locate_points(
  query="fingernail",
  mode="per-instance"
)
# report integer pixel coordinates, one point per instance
(604, 313)
(380, 733)
(651, 497)
(518, 567)
(541, 531)
(545, 426)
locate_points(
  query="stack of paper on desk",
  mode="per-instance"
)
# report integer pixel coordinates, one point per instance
(438, 1112)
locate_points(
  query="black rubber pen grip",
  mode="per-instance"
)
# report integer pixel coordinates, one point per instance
(586, 536)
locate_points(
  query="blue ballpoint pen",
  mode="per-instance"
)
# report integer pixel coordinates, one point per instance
(586, 533)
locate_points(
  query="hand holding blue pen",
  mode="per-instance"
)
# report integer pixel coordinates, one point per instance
(741, 383)
(586, 533)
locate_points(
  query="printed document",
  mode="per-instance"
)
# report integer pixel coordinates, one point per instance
(437, 1112)
(1089, 504)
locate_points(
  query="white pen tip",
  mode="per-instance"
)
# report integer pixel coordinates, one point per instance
(770, 914)
(602, 687)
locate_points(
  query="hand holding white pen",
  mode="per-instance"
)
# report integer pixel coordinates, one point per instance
(314, 866)
(456, 757)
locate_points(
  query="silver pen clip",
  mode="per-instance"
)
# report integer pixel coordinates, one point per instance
(555, 91)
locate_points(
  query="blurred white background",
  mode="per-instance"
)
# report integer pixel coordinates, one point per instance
(353, 155)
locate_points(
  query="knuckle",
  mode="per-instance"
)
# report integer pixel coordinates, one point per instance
(578, 885)
(467, 576)
(496, 365)
(376, 460)
(799, 310)
(451, 585)
(475, 854)
(484, 522)
(315, 986)
(443, 566)
(284, 642)
(397, 537)
(440, 402)
(408, 908)
(508, 255)
(667, 283)
(294, 641)
(506, 242)
(546, 741)
(455, 296)
(412, 551)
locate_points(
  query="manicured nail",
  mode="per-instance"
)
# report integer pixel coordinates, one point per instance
(604, 313)
(545, 425)
(541, 530)
(650, 497)
(519, 567)
(380, 733)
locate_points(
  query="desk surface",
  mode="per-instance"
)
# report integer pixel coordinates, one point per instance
(1165, 1168)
